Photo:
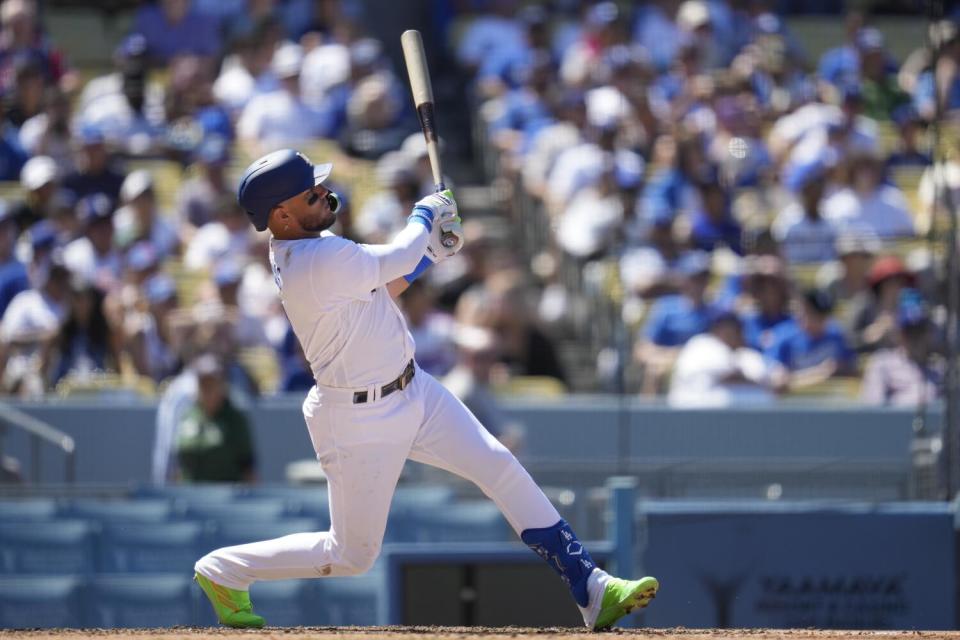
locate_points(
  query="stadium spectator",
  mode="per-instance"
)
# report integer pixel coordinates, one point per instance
(21, 38)
(213, 439)
(909, 373)
(279, 118)
(716, 369)
(909, 151)
(139, 220)
(868, 202)
(769, 288)
(39, 180)
(875, 318)
(227, 235)
(432, 330)
(172, 28)
(93, 255)
(25, 98)
(712, 223)
(83, 346)
(650, 270)
(814, 348)
(13, 273)
(48, 132)
(199, 197)
(937, 88)
(248, 331)
(28, 331)
(191, 112)
(674, 319)
(800, 228)
(470, 380)
(246, 72)
(94, 172)
(489, 33)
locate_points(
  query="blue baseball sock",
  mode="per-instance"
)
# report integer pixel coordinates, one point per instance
(558, 545)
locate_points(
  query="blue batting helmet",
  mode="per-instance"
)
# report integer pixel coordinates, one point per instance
(274, 178)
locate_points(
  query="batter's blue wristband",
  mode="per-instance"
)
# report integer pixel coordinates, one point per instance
(423, 216)
(422, 266)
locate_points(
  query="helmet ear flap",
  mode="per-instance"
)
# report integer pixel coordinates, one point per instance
(334, 201)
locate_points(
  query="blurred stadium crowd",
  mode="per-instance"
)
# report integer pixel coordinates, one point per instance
(685, 203)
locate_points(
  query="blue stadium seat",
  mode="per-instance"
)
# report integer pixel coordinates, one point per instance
(283, 602)
(40, 601)
(151, 548)
(261, 510)
(27, 510)
(54, 547)
(142, 600)
(307, 501)
(416, 497)
(346, 601)
(120, 511)
(184, 495)
(244, 531)
(473, 521)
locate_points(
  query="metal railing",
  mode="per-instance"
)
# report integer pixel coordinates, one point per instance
(39, 432)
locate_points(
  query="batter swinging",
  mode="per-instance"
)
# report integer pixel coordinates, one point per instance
(373, 408)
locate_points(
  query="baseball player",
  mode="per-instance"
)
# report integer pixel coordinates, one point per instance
(372, 407)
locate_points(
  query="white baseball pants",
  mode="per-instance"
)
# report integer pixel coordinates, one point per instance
(362, 448)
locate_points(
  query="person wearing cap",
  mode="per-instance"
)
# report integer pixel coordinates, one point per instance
(280, 117)
(13, 273)
(372, 407)
(874, 324)
(523, 108)
(214, 442)
(94, 172)
(717, 369)
(227, 275)
(868, 201)
(39, 179)
(800, 228)
(813, 349)
(93, 255)
(674, 319)
(30, 324)
(909, 373)
(604, 26)
(172, 28)
(139, 219)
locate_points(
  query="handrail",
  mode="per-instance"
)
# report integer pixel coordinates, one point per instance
(38, 431)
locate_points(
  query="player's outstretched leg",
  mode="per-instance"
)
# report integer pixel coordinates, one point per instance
(232, 606)
(451, 438)
(602, 598)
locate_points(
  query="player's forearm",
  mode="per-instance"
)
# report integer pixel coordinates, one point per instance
(398, 286)
(401, 255)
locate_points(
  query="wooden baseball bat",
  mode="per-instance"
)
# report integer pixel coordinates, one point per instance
(416, 61)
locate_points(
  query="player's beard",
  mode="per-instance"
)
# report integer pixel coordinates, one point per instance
(319, 221)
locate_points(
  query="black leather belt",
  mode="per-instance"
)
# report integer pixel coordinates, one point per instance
(359, 397)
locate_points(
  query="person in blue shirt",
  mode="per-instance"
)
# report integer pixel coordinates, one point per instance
(814, 349)
(173, 28)
(713, 224)
(769, 287)
(674, 319)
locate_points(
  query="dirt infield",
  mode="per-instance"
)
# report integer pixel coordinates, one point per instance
(472, 633)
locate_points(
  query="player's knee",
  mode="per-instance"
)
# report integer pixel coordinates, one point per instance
(358, 557)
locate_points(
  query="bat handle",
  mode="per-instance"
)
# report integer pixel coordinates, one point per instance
(440, 186)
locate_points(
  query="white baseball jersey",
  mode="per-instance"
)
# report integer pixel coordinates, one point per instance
(351, 331)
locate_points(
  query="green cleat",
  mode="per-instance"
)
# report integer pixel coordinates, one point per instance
(620, 597)
(232, 606)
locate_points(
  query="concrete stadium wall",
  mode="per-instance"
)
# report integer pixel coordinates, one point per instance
(795, 452)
